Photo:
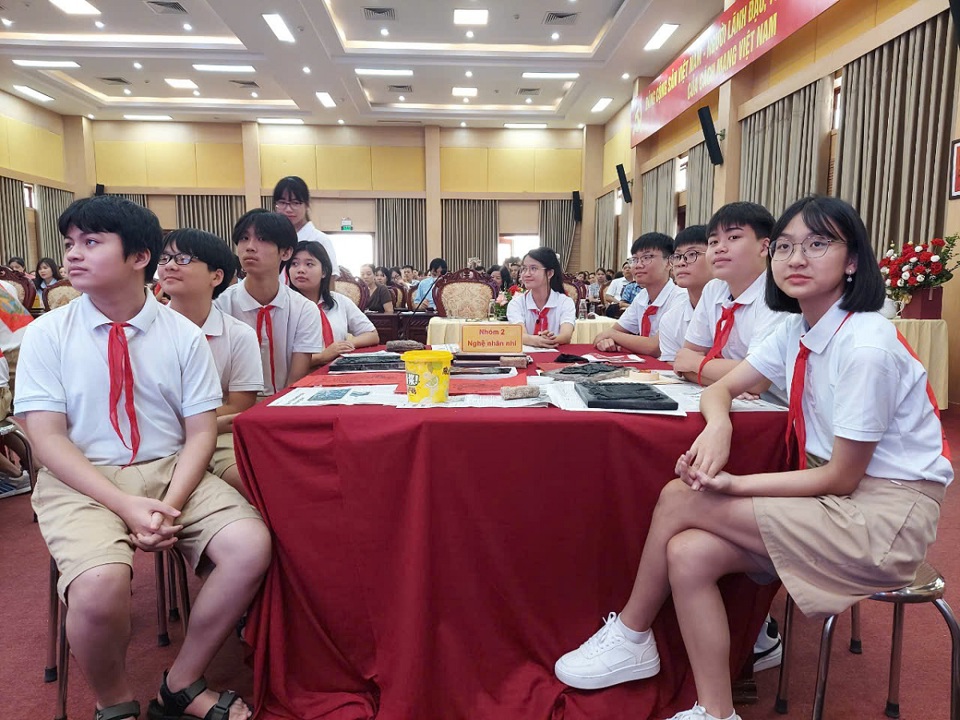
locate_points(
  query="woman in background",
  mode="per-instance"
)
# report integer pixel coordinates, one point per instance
(381, 299)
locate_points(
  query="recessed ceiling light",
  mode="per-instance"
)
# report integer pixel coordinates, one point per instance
(469, 34)
(46, 63)
(383, 72)
(525, 126)
(188, 27)
(384, 32)
(466, 100)
(196, 93)
(402, 98)
(660, 36)
(468, 73)
(31, 93)
(555, 36)
(601, 104)
(181, 83)
(463, 124)
(280, 121)
(225, 68)
(75, 7)
(581, 126)
(254, 94)
(138, 66)
(306, 70)
(279, 27)
(470, 17)
(148, 118)
(91, 116)
(464, 92)
(625, 76)
(340, 122)
(326, 100)
(100, 25)
(6, 22)
(529, 100)
(551, 75)
(126, 91)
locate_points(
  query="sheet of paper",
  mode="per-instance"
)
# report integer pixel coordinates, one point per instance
(480, 401)
(530, 349)
(565, 397)
(449, 347)
(687, 396)
(362, 395)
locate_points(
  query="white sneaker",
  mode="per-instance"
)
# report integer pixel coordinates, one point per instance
(10, 486)
(768, 650)
(608, 658)
(698, 712)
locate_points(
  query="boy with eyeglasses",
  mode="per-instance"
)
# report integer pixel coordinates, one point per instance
(638, 328)
(691, 271)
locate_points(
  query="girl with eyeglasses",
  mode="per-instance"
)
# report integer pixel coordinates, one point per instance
(545, 310)
(291, 198)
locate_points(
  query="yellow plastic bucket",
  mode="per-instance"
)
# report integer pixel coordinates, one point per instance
(428, 375)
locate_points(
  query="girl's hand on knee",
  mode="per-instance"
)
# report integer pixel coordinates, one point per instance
(711, 450)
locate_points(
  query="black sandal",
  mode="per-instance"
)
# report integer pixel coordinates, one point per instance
(175, 704)
(130, 709)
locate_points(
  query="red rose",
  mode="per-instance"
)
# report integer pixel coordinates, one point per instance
(936, 268)
(925, 256)
(514, 289)
(937, 242)
(911, 281)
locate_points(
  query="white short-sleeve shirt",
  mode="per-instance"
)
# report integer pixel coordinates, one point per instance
(346, 318)
(862, 384)
(615, 288)
(310, 233)
(632, 317)
(236, 352)
(63, 368)
(673, 328)
(296, 328)
(523, 309)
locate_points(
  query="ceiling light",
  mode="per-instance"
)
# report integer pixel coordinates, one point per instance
(469, 34)
(470, 17)
(148, 118)
(196, 93)
(581, 126)
(402, 98)
(464, 92)
(463, 124)
(601, 104)
(6, 22)
(555, 36)
(31, 93)
(76, 7)
(340, 122)
(306, 70)
(326, 100)
(181, 83)
(525, 126)
(529, 100)
(625, 76)
(280, 121)
(468, 73)
(384, 32)
(383, 72)
(254, 94)
(279, 27)
(100, 25)
(660, 36)
(138, 66)
(188, 27)
(466, 100)
(225, 68)
(46, 63)
(91, 116)
(551, 75)
(126, 91)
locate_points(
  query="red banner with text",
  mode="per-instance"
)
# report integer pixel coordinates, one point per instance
(742, 33)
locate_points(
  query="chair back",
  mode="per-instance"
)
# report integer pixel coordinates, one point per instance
(26, 290)
(574, 288)
(399, 297)
(353, 289)
(603, 292)
(464, 294)
(58, 294)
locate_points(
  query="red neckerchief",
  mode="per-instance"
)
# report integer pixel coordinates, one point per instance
(542, 324)
(121, 382)
(263, 318)
(720, 336)
(645, 322)
(326, 327)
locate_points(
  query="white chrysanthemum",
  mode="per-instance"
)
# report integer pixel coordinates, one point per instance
(884, 271)
(935, 258)
(901, 283)
(920, 277)
(905, 274)
(919, 248)
(887, 283)
(891, 252)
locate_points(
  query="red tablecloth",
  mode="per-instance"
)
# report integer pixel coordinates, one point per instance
(436, 563)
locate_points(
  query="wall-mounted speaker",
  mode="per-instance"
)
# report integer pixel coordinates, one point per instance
(624, 184)
(101, 190)
(710, 135)
(577, 207)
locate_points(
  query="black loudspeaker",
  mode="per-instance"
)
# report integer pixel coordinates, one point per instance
(101, 190)
(710, 135)
(577, 207)
(955, 11)
(624, 185)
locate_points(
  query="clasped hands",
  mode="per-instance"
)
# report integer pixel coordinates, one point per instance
(150, 523)
(701, 467)
(545, 339)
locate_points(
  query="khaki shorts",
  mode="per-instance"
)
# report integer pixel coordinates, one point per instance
(224, 457)
(82, 534)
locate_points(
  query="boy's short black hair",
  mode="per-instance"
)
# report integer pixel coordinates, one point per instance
(293, 187)
(208, 248)
(693, 235)
(138, 228)
(269, 226)
(438, 264)
(835, 219)
(408, 266)
(653, 241)
(743, 214)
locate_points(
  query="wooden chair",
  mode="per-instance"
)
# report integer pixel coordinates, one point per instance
(353, 289)
(603, 293)
(574, 288)
(26, 290)
(464, 294)
(59, 294)
(399, 297)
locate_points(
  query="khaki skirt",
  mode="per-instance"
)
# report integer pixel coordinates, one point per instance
(830, 552)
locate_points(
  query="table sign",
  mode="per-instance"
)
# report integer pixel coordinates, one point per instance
(491, 338)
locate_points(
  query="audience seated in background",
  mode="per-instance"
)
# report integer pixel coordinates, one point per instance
(409, 276)
(615, 289)
(691, 271)
(513, 265)
(20, 265)
(545, 310)
(593, 287)
(381, 299)
(14, 480)
(423, 297)
(396, 277)
(47, 273)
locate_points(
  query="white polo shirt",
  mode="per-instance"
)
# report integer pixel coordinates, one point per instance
(615, 288)
(296, 328)
(310, 233)
(673, 328)
(861, 384)
(236, 352)
(523, 309)
(63, 368)
(632, 317)
(346, 318)
(751, 324)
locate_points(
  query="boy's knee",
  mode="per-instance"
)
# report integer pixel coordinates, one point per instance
(246, 543)
(101, 593)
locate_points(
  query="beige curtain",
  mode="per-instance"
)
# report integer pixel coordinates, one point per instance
(402, 232)
(50, 205)
(216, 214)
(659, 200)
(470, 229)
(557, 227)
(138, 198)
(785, 151)
(606, 229)
(13, 220)
(266, 202)
(892, 161)
(699, 185)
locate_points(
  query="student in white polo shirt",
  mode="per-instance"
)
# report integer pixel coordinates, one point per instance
(545, 310)
(638, 328)
(857, 512)
(196, 267)
(286, 323)
(691, 271)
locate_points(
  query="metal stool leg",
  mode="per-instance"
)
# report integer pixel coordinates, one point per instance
(63, 666)
(896, 651)
(780, 705)
(53, 625)
(174, 614)
(856, 647)
(951, 621)
(163, 637)
(823, 666)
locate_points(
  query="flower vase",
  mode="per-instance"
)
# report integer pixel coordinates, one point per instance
(925, 304)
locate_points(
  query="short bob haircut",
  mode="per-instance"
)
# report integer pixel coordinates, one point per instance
(293, 187)
(692, 235)
(653, 241)
(438, 264)
(269, 226)
(207, 248)
(319, 252)
(837, 220)
(742, 214)
(138, 228)
(548, 258)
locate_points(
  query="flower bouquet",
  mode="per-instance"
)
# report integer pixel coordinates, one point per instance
(503, 299)
(917, 267)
